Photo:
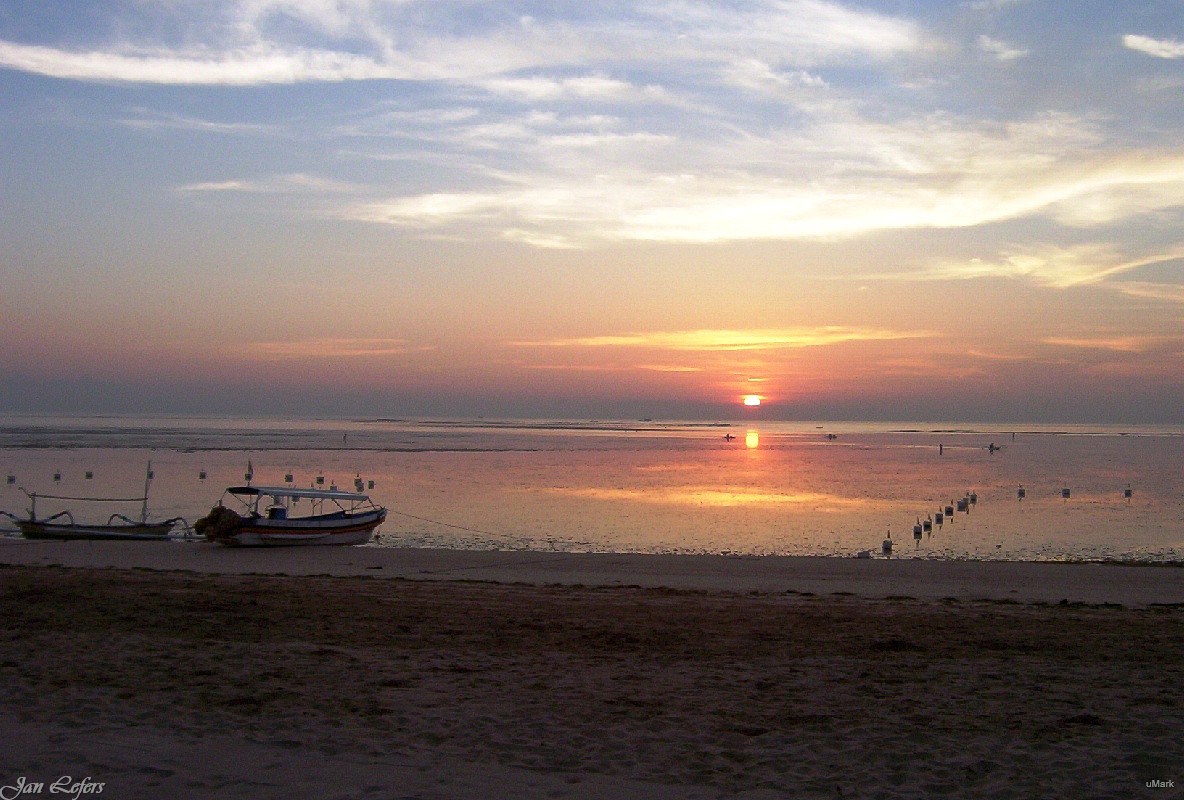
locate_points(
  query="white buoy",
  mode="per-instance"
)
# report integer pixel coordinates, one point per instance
(928, 524)
(886, 547)
(201, 475)
(1127, 492)
(1021, 493)
(89, 474)
(939, 518)
(917, 531)
(1065, 493)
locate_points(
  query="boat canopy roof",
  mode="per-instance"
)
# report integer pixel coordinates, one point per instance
(289, 491)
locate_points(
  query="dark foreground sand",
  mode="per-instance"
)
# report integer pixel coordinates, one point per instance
(172, 684)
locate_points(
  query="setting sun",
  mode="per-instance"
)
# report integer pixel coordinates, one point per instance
(752, 399)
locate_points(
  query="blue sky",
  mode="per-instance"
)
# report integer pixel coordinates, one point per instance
(646, 208)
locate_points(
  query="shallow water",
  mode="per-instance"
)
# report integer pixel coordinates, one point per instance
(775, 488)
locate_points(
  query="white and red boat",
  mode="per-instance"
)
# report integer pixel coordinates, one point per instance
(336, 518)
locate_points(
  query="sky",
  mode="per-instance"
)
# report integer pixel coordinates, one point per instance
(898, 210)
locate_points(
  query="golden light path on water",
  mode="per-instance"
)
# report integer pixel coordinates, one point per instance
(709, 496)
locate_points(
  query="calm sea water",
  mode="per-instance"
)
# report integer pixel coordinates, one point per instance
(773, 488)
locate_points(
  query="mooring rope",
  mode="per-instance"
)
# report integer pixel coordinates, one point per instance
(456, 527)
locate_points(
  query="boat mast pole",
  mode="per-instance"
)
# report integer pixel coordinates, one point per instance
(144, 508)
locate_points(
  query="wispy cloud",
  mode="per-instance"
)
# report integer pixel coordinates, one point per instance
(1160, 48)
(988, 355)
(576, 367)
(221, 186)
(1047, 265)
(145, 119)
(587, 87)
(252, 42)
(276, 184)
(840, 176)
(1000, 50)
(1171, 293)
(920, 176)
(330, 348)
(755, 75)
(1118, 344)
(245, 67)
(710, 341)
(668, 368)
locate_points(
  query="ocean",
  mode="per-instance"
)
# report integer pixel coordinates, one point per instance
(741, 488)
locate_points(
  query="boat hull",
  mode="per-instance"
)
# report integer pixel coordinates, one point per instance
(331, 529)
(51, 530)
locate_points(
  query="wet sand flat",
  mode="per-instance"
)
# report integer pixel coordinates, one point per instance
(222, 685)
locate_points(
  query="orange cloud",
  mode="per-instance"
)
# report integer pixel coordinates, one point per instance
(709, 341)
(1118, 344)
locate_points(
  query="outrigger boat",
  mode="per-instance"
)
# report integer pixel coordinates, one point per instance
(267, 520)
(125, 528)
(63, 525)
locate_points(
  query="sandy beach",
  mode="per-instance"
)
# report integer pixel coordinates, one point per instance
(184, 670)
